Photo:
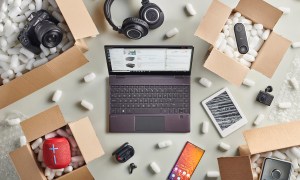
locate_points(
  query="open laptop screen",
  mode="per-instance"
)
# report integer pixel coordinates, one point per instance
(149, 59)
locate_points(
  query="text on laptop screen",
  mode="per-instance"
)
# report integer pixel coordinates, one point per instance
(149, 59)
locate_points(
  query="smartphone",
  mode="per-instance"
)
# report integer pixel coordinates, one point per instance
(187, 162)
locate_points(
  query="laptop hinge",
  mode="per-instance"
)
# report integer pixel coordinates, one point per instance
(120, 76)
(180, 76)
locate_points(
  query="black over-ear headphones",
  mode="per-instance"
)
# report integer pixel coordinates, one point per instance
(151, 17)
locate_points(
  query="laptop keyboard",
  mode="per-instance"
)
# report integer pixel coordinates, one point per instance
(149, 99)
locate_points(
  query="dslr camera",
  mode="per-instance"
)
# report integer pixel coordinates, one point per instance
(276, 169)
(40, 29)
(264, 97)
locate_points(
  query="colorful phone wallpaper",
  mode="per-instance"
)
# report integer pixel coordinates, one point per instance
(187, 162)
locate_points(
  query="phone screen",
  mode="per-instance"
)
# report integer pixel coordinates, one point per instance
(187, 162)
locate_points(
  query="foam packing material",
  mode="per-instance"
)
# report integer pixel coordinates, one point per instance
(87, 105)
(205, 82)
(256, 36)
(213, 174)
(164, 144)
(56, 96)
(155, 168)
(205, 127)
(13, 56)
(172, 32)
(89, 77)
(190, 9)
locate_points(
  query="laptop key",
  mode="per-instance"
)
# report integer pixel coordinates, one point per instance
(186, 111)
(147, 111)
(113, 111)
(181, 111)
(164, 111)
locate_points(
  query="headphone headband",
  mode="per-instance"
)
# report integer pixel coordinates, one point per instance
(107, 13)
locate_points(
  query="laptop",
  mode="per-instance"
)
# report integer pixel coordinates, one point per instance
(149, 88)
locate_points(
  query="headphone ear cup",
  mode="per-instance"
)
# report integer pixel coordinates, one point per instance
(134, 28)
(152, 15)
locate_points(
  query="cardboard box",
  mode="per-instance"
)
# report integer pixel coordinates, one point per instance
(81, 26)
(259, 140)
(269, 55)
(41, 124)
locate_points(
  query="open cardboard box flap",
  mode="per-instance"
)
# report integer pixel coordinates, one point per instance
(77, 18)
(25, 164)
(81, 26)
(235, 168)
(41, 76)
(244, 150)
(88, 142)
(260, 12)
(78, 174)
(81, 44)
(213, 22)
(273, 137)
(271, 54)
(43, 123)
(224, 66)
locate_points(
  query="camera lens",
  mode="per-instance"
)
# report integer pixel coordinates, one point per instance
(243, 49)
(262, 98)
(275, 174)
(48, 34)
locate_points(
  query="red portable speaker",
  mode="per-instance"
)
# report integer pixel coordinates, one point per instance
(56, 153)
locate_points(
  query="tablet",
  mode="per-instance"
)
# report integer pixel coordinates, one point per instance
(224, 112)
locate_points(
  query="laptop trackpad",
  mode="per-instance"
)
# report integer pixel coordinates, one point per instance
(150, 123)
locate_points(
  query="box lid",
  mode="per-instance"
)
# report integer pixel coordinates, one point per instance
(25, 164)
(86, 139)
(41, 76)
(226, 67)
(77, 18)
(273, 137)
(82, 45)
(235, 168)
(244, 150)
(271, 54)
(43, 123)
(213, 21)
(78, 174)
(260, 12)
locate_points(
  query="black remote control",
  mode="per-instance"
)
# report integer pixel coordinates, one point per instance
(241, 38)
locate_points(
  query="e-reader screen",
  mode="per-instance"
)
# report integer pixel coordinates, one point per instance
(223, 110)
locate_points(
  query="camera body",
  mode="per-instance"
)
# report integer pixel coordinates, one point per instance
(40, 29)
(241, 38)
(276, 169)
(264, 97)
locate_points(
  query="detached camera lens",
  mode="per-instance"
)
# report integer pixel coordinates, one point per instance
(275, 174)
